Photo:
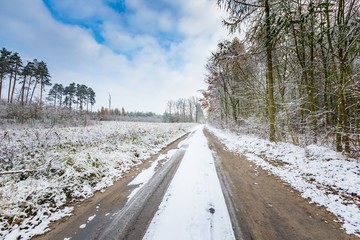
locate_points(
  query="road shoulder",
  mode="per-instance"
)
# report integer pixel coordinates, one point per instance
(265, 207)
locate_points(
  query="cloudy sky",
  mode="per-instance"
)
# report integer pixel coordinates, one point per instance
(142, 52)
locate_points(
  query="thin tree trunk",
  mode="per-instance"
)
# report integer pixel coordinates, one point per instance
(28, 90)
(9, 89)
(13, 88)
(33, 91)
(326, 87)
(41, 92)
(23, 91)
(343, 105)
(1, 81)
(311, 85)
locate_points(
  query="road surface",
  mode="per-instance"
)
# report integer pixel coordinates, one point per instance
(259, 205)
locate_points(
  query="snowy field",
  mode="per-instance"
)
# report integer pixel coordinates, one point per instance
(321, 175)
(42, 170)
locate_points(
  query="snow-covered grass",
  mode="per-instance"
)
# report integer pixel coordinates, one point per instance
(43, 171)
(325, 177)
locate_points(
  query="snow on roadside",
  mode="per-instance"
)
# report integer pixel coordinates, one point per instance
(193, 206)
(58, 166)
(325, 177)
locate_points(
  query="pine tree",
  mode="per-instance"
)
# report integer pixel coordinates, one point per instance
(4, 67)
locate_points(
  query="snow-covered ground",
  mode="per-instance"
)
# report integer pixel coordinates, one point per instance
(193, 206)
(325, 177)
(42, 170)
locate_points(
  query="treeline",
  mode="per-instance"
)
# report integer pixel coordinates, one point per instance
(181, 110)
(121, 115)
(23, 87)
(184, 110)
(77, 96)
(298, 70)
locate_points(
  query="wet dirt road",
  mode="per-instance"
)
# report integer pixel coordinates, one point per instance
(260, 205)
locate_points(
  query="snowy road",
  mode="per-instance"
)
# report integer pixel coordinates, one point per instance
(177, 194)
(194, 206)
(177, 197)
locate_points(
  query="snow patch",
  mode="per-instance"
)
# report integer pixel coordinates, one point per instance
(91, 218)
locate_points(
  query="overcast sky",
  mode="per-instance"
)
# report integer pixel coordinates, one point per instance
(142, 52)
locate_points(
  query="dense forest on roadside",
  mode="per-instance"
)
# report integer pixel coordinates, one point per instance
(295, 76)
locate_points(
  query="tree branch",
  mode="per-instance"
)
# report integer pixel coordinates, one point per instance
(247, 4)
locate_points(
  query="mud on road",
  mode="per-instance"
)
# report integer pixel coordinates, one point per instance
(263, 207)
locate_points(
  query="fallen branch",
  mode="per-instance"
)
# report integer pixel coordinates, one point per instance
(17, 172)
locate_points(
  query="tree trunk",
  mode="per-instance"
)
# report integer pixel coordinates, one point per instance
(23, 91)
(325, 70)
(1, 81)
(343, 105)
(270, 79)
(41, 92)
(9, 89)
(28, 90)
(311, 84)
(33, 91)
(14, 84)
(343, 78)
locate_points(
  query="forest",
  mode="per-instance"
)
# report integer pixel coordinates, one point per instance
(24, 88)
(184, 110)
(294, 75)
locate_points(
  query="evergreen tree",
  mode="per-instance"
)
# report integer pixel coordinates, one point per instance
(69, 93)
(5, 56)
(91, 97)
(15, 72)
(43, 75)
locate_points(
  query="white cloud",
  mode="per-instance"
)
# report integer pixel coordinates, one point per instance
(147, 19)
(132, 63)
